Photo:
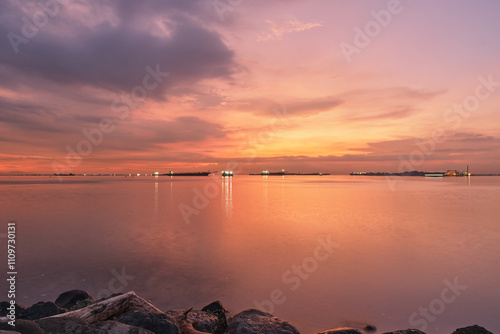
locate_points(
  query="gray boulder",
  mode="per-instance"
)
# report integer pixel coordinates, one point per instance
(201, 320)
(255, 321)
(41, 310)
(115, 327)
(472, 330)
(23, 327)
(62, 325)
(158, 323)
(72, 298)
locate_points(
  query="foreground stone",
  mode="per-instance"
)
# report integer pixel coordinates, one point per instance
(73, 298)
(115, 327)
(130, 314)
(62, 325)
(472, 330)
(255, 321)
(215, 308)
(111, 308)
(5, 305)
(23, 327)
(41, 310)
(157, 323)
(201, 320)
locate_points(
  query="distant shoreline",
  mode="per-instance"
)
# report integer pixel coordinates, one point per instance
(252, 174)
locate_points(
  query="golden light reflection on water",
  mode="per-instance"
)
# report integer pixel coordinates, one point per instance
(156, 197)
(227, 195)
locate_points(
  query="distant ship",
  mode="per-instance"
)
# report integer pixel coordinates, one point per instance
(283, 172)
(171, 173)
(434, 174)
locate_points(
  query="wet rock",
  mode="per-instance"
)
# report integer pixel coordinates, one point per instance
(72, 298)
(115, 327)
(406, 331)
(201, 320)
(5, 305)
(472, 330)
(343, 330)
(23, 327)
(255, 321)
(41, 310)
(62, 325)
(158, 323)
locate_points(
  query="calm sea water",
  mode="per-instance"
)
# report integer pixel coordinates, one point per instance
(396, 251)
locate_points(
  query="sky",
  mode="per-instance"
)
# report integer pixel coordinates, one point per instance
(110, 86)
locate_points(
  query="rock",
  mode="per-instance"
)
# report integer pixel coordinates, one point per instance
(201, 320)
(8, 332)
(406, 331)
(343, 330)
(111, 308)
(23, 327)
(220, 311)
(41, 310)
(62, 325)
(114, 327)
(72, 298)
(215, 308)
(255, 321)
(472, 330)
(369, 328)
(5, 305)
(156, 323)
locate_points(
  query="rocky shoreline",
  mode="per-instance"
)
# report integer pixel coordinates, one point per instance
(76, 312)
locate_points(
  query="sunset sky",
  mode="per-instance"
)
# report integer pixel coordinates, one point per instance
(325, 85)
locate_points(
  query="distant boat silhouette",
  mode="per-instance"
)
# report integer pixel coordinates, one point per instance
(434, 174)
(171, 173)
(283, 172)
